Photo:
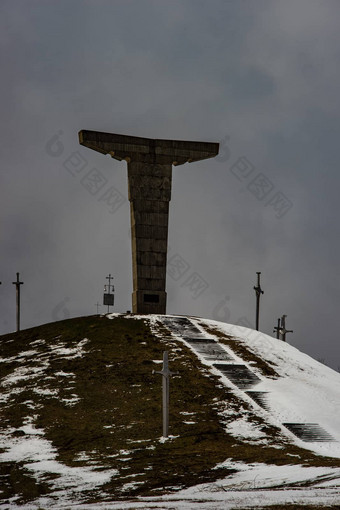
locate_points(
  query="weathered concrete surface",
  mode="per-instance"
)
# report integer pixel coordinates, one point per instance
(149, 180)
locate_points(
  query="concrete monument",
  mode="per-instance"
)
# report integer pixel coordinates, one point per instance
(149, 164)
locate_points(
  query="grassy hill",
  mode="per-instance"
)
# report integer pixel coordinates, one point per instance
(81, 415)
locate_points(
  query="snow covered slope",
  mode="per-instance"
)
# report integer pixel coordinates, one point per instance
(301, 392)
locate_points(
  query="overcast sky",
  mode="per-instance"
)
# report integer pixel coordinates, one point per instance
(261, 77)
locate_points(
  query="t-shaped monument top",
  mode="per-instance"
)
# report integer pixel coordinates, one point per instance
(148, 150)
(149, 178)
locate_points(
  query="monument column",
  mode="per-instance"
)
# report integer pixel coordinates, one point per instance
(149, 179)
(149, 195)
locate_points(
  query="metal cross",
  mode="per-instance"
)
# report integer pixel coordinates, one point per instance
(17, 284)
(258, 292)
(283, 330)
(165, 373)
(277, 328)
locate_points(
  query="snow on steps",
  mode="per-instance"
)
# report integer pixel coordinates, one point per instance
(304, 400)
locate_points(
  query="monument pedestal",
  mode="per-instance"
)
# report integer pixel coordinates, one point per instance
(146, 301)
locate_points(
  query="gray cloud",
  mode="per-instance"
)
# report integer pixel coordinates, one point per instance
(264, 74)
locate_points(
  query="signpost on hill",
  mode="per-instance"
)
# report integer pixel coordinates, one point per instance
(165, 373)
(17, 284)
(258, 292)
(109, 297)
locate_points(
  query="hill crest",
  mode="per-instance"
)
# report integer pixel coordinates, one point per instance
(81, 410)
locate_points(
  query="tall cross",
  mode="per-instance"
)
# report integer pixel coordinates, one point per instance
(258, 292)
(17, 284)
(149, 165)
(165, 373)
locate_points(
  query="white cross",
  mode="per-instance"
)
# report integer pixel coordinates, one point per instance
(165, 373)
